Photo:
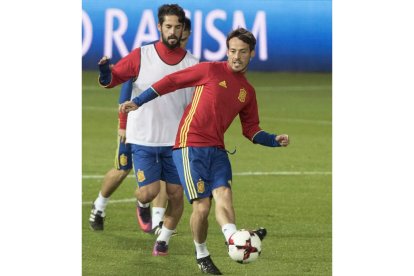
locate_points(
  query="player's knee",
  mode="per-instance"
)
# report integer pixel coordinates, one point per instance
(175, 192)
(201, 208)
(123, 173)
(144, 197)
(222, 194)
(148, 192)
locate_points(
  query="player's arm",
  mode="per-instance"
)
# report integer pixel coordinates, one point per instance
(197, 74)
(125, 95)
(144, 97)
(249, 118)
(189, 77)
(271, 140)
(113, 75)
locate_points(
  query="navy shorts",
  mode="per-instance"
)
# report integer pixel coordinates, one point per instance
(154, 163)
(202, 169)
(123, 156)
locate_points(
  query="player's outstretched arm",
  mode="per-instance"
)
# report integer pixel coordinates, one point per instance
(144, 97)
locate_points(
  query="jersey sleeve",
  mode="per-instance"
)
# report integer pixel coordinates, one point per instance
(125, 95)
(189, 77)
(127, 68)
(249, 117)
(126, 92)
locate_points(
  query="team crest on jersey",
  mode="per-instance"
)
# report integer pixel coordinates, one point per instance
(200, 186)
(223, 84)
(242, 95)
(123, 160)
(140, 176)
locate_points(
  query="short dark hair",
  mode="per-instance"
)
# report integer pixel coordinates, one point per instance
(170, 9)
(244, 35)
(187, 24)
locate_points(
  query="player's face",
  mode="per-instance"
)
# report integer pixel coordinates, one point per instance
(184, 39)
(239, 55)
(171, 31)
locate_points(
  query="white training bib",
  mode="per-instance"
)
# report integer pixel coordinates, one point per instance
(156, 122)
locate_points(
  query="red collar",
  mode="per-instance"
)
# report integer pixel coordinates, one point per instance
(170, 56)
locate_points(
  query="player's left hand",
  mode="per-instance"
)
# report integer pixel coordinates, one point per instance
(283, 140)
(128, 106)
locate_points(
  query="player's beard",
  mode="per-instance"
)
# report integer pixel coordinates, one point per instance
(171, 46)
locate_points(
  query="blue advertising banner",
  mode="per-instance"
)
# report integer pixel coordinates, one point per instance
(292, 35)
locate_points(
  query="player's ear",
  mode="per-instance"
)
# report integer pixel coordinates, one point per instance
(159, 27)
(252, 54)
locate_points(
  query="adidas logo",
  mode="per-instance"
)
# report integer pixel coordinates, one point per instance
(223, 84)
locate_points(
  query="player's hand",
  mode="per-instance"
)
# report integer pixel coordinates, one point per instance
(105, 60)
(122, 135)
(128, 106)
(283, 139)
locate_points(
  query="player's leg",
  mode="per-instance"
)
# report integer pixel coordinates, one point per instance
(144, 195)
(225, 215)
(222, 194)
(171, 218)
(199, 225)
(175, 202)
(174, 189)
(148, 173)
(193, 168)
(175, 206)
(199, 228)
(112, 180)
(224, 211)
(159, 205)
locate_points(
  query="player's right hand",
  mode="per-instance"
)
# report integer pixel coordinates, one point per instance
(128, 106)
(104, 60)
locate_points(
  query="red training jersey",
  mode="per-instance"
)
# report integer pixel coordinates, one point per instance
(220, 95)
(128, 67)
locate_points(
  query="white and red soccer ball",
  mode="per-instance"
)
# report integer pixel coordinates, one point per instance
(244, 246)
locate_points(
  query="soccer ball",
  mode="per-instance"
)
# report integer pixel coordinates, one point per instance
(244, 246)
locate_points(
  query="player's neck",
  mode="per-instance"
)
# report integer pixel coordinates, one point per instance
(169, 56)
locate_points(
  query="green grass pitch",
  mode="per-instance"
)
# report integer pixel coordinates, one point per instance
(293, 201)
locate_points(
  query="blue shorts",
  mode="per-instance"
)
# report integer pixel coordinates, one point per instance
(154, 163)
(123, 156)
(202, 169)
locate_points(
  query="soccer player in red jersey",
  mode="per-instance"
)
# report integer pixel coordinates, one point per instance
(151, 130)
(123, 164)
(222, 92)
